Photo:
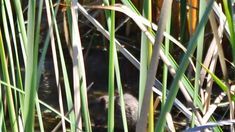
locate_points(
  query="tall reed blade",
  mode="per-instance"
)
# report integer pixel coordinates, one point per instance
(9, 96)
(22, 28)
(111, 70)
(199, 42)
(78, 63)
(30, 68)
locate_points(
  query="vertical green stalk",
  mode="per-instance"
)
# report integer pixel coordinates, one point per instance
(36, 69)
(145, 57)
(143, 60)
(147, 12)
(111, 72)
(30, 71)
(120, 91)
(22, 29)
(165, 69)
(117, 73)
(39, 113)
(12, 114)
(202, 8)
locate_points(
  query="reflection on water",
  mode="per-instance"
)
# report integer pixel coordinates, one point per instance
(47, 91)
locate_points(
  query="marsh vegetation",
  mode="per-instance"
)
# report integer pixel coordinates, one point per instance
(125, 65)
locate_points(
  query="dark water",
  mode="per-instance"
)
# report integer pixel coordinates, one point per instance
(96, 65)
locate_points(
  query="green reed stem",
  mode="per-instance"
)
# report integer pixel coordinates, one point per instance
(9, 97)
(111, 71)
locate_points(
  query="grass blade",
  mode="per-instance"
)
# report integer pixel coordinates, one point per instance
(11, 108)
(79, 63)
(199, 42)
